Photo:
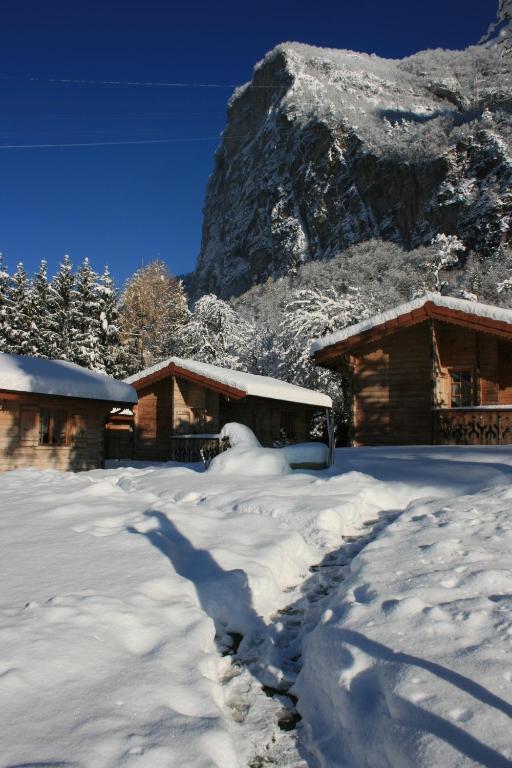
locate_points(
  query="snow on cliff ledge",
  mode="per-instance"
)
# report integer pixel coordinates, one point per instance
(20, 373)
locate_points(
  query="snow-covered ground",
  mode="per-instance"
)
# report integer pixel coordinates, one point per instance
(122, 589)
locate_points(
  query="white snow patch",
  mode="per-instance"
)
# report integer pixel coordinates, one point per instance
(21, 373)
(116, 582)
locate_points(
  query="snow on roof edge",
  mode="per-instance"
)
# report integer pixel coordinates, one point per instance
(42, 376)
(250, 383)
(478, 309)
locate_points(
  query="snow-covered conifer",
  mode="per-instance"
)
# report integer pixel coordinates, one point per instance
(114, 355)
(43, 338)
(85, 344)
(64, 312)
(4, 286)
(19, 312)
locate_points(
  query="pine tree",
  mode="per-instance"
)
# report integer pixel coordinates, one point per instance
(115, 358)
(4, 285)
(62, 291)
(43, 340)
(19, 313)
(85, 344)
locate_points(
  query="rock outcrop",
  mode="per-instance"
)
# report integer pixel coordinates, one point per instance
(326, 148)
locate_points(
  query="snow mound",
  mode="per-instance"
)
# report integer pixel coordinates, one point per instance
(245, 460)
(306, 453)
(239, 434)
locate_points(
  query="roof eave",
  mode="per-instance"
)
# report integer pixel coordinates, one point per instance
(329, 356)
(175, 370)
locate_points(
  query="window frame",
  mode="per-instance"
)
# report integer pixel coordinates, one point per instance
(51, 427)
(460, 370)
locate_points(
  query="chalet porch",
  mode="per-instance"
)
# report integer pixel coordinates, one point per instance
(478, 425)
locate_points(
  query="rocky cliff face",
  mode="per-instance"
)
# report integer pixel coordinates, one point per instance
(325, 148)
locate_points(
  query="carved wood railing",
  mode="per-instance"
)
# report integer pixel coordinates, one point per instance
(473, 426)
(190, 448)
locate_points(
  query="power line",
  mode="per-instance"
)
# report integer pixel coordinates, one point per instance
(107, 143)
(135, 83)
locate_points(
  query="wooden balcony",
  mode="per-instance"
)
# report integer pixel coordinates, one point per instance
(478, 425)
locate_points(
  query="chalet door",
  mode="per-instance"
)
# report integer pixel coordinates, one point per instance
(119, 443)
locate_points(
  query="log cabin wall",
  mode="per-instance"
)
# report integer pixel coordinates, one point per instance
(392, 389)
(505, 372)
(20, 432)
(488, 357)
(196, 408)
(268, 417)
(153, 421)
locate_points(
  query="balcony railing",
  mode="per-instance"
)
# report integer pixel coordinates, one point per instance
(190, 448)
(478, 425)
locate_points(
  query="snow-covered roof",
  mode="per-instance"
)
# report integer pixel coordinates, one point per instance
(21, 373)
(487, 311)
(249, 383)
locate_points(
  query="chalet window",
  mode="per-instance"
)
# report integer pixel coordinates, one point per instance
(461, 388)
(53, 427)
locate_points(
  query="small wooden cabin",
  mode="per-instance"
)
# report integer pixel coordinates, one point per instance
(434, 370)
(53, 413)
(183, 404)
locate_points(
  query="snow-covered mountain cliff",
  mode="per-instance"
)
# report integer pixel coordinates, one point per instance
(327, 148)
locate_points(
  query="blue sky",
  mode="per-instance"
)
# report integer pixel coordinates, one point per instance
(126, 205)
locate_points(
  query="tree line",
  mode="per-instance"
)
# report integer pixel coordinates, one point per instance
(81, 316)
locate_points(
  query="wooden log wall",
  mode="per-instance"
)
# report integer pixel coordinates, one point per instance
(266, 417)
(392, 389)
(189, 399)
(19, 433)
(505, 372)
(153, 421)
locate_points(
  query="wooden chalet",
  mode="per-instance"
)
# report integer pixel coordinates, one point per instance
(183, 404)
(434, 370)
(53, 413)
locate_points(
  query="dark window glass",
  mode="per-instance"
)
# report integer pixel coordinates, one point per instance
(59, 428)
(52, 427)
(462, 389)
(44, 427)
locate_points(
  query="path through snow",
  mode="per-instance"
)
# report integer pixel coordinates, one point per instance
(122, 588)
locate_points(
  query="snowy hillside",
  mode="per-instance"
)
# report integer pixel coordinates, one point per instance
(157, 616)
(326, 148)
